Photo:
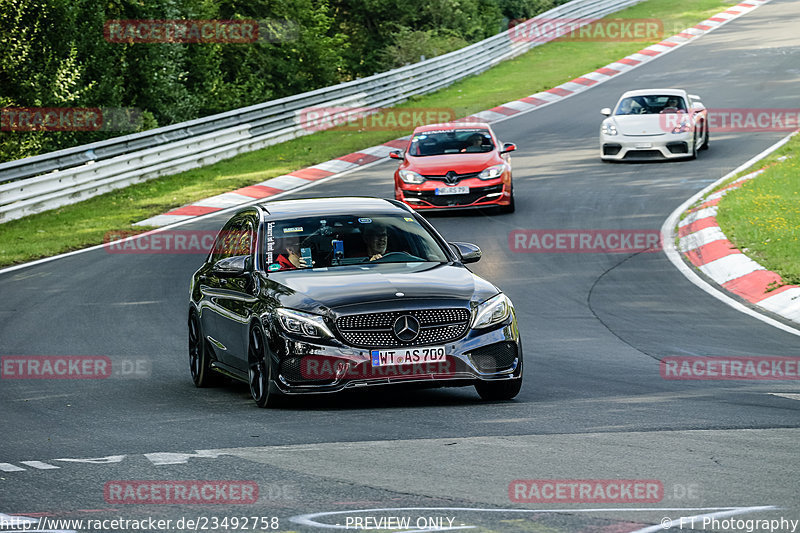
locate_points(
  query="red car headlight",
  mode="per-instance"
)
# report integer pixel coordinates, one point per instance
(493, 172)
(409, 176)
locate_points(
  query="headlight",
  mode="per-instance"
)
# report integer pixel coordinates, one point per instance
(608, 128)
(493, 311)
(303, 324)
(492, 172)
(409, 176)
(682, 128)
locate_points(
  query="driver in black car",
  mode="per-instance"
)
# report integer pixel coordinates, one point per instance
(375, 239)
(290, 257)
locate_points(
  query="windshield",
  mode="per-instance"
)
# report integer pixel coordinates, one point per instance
(651, 105)
(332, 241)
(451, 142)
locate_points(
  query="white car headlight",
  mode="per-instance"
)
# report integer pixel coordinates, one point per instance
(409, 176)
(683, 127)
(303, 324)
(492, 172)
(491, 312)
(608, 128)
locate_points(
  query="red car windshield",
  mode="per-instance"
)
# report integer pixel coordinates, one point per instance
(458, 141)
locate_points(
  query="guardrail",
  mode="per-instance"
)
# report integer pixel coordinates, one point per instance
(47, 181)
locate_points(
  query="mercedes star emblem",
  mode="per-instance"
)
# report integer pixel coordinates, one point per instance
(406, 328)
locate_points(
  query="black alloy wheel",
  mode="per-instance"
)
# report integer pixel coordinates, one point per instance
(259, 370)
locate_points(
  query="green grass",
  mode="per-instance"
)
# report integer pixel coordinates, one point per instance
(762, 217)
(84, 224)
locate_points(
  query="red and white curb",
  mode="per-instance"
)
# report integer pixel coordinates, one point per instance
(704, 245)
(336, 167)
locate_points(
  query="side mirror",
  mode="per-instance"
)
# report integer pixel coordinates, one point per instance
(508, 147)
(396, 154)
(235, 266)
(606, 111)
(698, 106)
(468, 252)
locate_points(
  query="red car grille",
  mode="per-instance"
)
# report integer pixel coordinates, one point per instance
(474, 195)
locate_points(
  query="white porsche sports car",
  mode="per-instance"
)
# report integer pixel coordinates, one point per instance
(654, 124)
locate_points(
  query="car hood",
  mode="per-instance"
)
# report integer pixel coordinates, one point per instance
(466, 163)
(643, 124)
(346, 288)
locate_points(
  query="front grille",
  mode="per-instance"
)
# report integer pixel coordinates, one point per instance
(458, 177)
(494, 357)
(292, 371)
(374, 330)
(474, 195)
(644, 154)
(678, 148)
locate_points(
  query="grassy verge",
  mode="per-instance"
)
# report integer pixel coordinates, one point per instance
(762, 217)
(83, 224)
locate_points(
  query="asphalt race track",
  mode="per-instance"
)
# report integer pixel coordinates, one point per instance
(594, 325)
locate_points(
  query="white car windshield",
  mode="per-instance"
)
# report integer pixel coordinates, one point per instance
(651, 105)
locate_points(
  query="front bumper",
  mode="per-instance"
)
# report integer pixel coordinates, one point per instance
(653, 147)
(306, 368)
(482, 196)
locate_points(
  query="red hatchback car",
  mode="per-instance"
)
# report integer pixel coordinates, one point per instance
(455, 166)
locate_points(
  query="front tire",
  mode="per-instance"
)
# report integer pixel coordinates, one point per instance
(706, 139)
(199, 359)
(259, 370)
(500, 390)
(507, 209)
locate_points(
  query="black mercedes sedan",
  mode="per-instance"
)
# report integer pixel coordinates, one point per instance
(320, 295)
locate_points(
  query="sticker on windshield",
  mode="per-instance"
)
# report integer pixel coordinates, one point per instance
(408, 219)
(293, 230)
(460, 130)
(270, 241)
(365, 220)
(273, 267)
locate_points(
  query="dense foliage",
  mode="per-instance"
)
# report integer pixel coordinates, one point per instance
(54, 54)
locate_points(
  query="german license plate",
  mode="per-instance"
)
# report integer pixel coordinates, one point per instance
(644, 145)
(463, 189)
(408, 356)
